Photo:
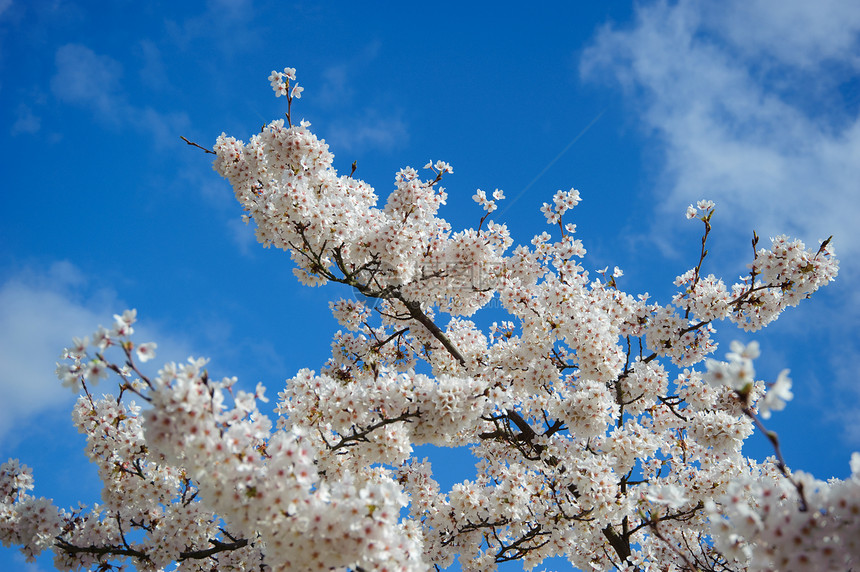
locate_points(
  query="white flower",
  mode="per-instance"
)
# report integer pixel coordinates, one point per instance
(551, 216)
(738, 372)
(102, 338)
(691, 212)
(96, 370)
(669, 495)
(444, 167)
(741, 351)
(260, 392)
(146, 352)
(722, 373)
(79, 347)
(122, 324)
(777, 395)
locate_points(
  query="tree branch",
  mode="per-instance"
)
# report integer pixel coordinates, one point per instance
(419, 316)
(196, 145)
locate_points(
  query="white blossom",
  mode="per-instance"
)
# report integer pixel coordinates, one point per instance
(777, 395)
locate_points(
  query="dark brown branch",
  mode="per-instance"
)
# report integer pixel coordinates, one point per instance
(780, 460)
(679, 516)
(379, 344)
(415, 312)
(358, 436)
(702, 255)
(526, 429)
(671, 401)
(620, 544)
(99, 550)
(414, 308)
(217, 546)
(196, 145)
(517, 549)
(689, 564)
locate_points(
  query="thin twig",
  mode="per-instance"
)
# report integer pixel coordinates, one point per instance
(193, 144)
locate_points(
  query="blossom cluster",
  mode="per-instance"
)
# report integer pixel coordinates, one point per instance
(266, 484)
(761, 523)
(596, 436)
(562, 202)
(280, 82)
(488, 205)
(26, 521)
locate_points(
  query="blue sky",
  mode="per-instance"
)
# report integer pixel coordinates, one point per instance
(644, 108)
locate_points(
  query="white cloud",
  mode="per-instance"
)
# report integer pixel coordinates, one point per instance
(338, 87)
(165, 127)
(798, 33)
(86, 78)
(230, 8)
(26, 121)
(725, 90)
(846, 395)
(221, 19)
(90, 80)
(745, 100)
(24, 566)
(368, 130)
(40, 312)
(356, 124)
(152, 71)
(37, 320)
(242, 235)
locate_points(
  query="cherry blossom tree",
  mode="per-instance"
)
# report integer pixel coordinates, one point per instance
(602, 429)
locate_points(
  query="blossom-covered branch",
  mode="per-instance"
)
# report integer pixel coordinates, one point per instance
(602, 430)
